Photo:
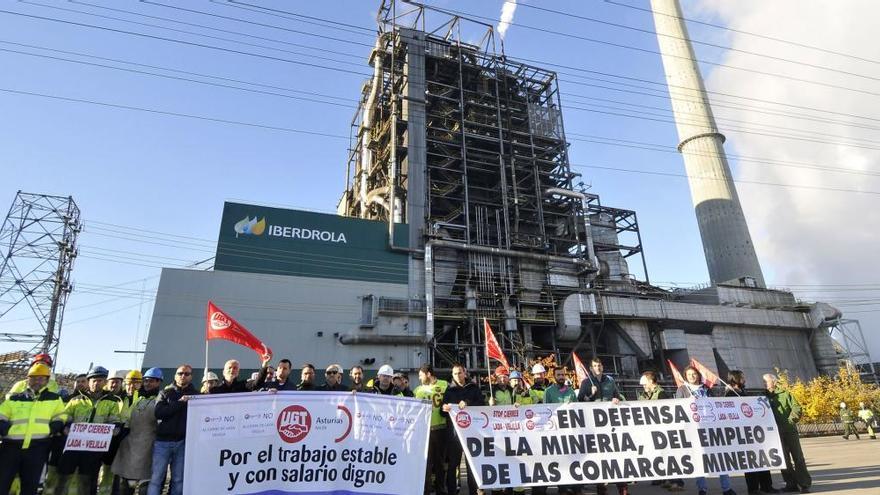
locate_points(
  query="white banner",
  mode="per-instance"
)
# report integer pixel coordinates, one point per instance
(577, 443)
(89, 437)
(305, 443)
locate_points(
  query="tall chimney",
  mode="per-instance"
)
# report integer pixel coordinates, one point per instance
(727, 244)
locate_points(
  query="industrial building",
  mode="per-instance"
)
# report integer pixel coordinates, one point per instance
(460, 205)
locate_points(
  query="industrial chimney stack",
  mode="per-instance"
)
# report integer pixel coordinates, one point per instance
(730, 253)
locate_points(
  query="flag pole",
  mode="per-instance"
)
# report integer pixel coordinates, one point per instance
(488, 362)
(206, 358)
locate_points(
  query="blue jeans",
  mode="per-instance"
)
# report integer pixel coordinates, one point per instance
(703, 486)
(165, 453)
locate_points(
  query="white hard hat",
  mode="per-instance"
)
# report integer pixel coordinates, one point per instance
(386, 370)
(843, 404)
(118, 374)
(334, 367)
(210, 376)
(538, 368)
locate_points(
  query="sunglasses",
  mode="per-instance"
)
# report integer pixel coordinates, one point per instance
(331, 372)
(184, 373)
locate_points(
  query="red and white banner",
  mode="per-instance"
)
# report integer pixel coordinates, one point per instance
(599, 442)
(493, 350)
(679, 381)
(579, 369)
(89, 437)
(220, 325)
(709, 377)
(306, 443)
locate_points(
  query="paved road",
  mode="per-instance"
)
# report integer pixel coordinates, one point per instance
(838, 466)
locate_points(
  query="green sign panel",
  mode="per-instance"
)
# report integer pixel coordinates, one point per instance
(276, 241)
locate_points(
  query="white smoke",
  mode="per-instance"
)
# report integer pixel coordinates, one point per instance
(807, 236)
(506, 20)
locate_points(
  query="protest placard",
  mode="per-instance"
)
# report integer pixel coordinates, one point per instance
(297, 442)
(89, 437)
(578, 443)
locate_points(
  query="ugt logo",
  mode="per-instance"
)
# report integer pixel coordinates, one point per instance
(294, 423)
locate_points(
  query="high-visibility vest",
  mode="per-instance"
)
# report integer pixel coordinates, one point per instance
(30, 415)
(105, 409)
(21, 385)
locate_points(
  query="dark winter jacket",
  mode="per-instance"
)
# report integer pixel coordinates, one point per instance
(334, 388)
(171, 413)
(469, 393)
(607, 389)
(241, 385)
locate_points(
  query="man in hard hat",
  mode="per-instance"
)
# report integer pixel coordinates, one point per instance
(22, 385)
(849, 423)
(133, 462)
(209, 381)
(115, 381)
(539, 380)
(867, 415)
(383, 384)
(169, 448)
(501, 394)
(431, 390)
(27, 421)
(95, 406)
(132, 382)
(333, 379)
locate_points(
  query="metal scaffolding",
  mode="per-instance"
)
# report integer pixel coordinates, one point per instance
(470, 145)
(38, 248)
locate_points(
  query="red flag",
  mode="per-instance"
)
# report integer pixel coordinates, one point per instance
(679, 381)
(493, 350)
(579, 369)
(709, 377)
(221, 326)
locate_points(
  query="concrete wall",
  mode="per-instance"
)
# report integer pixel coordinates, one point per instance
(759, 350)
(286, 312)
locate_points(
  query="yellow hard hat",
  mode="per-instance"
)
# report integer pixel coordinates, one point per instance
(39, 369)
(134, 375)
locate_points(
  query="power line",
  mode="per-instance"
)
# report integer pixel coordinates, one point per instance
(174, 114)
(655, 52)
(748, 33)
(178, 78)
(182, 42)
(697, 42)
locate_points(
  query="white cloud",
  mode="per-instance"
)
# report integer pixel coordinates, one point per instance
(807, 236)
(507, 11)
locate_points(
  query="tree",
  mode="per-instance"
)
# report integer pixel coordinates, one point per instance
(820, 397)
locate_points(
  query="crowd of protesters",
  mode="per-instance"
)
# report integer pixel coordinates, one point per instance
(149, 412)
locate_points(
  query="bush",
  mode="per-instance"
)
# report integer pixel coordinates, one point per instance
(820, 397)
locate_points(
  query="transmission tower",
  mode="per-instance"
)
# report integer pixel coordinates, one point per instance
(37, 250)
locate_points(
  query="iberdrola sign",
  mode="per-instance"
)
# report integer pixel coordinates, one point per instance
(279, 241)
(250, 226)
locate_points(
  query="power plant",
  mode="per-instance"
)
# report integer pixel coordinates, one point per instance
(460, 205)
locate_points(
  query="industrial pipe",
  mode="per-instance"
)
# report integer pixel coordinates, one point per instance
(366, 154)
(353, 339)
(508, 252)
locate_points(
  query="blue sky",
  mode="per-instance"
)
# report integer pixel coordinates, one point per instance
(151, 186)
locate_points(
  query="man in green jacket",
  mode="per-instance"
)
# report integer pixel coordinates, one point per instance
(787, 412)
(849, 423)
